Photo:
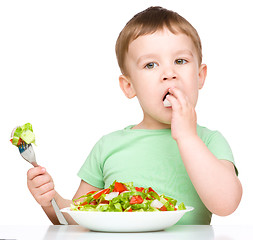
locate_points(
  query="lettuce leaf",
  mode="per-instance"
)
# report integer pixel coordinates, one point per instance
(25, 133)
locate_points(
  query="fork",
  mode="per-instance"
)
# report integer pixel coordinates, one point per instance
(26, 151)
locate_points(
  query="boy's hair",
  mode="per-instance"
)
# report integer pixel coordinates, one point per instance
(149, 21)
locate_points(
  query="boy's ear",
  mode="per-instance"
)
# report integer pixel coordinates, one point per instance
(126, 86)
(202, 75)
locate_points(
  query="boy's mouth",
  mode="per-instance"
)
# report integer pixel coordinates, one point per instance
(166, 103)
(168, 93)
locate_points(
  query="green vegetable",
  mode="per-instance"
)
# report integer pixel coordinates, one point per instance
(23, 133)
(181, 206)
(16, 136)
(133, 199)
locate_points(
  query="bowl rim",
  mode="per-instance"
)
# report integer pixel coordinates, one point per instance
(188, 209)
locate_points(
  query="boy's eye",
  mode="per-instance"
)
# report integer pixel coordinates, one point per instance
(151, 65)
(180, 61)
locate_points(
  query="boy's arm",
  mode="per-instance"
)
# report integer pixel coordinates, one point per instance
(214, 180)
(41, 186)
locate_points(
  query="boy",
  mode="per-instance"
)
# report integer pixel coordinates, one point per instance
(159, 54)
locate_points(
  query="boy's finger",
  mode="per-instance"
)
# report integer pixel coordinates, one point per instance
(33, 172)
(45, 188)
(41, 180)
(179, 95)
(46, 198)
(174, 102)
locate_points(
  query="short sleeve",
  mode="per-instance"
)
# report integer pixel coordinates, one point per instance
(91, 171)
(220, 148)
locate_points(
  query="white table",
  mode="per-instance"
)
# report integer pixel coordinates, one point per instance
(195, 232)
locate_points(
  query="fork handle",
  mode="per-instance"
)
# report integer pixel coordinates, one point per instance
(34, 164)
(58, 213)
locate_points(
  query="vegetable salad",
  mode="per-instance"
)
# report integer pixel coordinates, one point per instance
(23, 134)
(124, 197)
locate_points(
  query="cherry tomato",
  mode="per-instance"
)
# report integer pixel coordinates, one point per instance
(163, 208)
(119, 187)
(136, 200)
(139, 189)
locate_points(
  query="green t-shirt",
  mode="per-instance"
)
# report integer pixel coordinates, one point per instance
(151, 158)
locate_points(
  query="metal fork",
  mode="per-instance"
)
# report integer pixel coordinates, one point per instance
(26, 151)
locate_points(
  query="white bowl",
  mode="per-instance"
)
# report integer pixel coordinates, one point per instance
(127, 221)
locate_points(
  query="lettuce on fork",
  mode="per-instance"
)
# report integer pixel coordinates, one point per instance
(23, 134)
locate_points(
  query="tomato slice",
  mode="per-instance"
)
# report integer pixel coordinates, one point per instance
(104, 191)
(119, 187)
(163, 208)
(20, 141)
(91, 192)
(139, 189)
(150, 189)
(136, 200)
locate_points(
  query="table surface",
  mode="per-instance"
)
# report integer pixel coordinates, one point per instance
(74, 232)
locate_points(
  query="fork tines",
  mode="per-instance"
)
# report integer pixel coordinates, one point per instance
(22, 147)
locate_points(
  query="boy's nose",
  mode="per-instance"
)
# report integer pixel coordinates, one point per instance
(169, 78)
(169, 74)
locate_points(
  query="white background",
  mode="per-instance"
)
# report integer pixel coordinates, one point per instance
(58, 70)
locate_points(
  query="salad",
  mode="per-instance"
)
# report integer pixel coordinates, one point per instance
(124, 197)
(23, 134)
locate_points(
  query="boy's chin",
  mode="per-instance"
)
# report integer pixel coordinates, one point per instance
(166, 120)
(165, 123)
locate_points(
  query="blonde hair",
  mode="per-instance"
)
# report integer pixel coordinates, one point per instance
(149, 21)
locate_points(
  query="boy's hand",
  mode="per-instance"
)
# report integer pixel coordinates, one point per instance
(183, 119)
(41, 185)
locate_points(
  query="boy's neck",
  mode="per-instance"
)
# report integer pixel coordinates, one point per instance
(152, 126)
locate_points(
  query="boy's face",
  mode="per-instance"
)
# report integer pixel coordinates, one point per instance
(155, 63)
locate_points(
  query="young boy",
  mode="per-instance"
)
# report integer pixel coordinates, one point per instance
(159, 54)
